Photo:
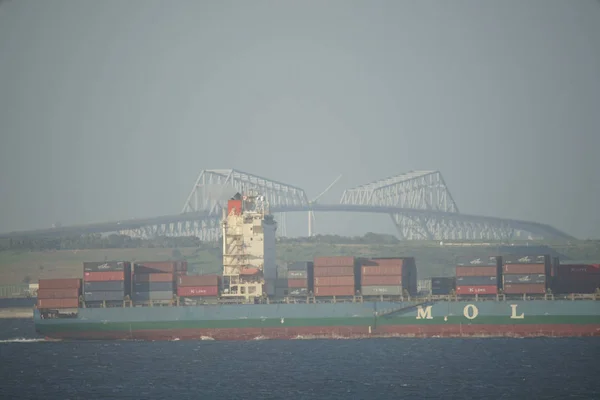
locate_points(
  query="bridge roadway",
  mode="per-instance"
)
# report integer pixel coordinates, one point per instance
(130, 224)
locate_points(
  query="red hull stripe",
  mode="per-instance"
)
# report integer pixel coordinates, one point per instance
(341, 332)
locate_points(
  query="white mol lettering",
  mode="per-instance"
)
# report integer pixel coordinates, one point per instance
(514, 312)
(470, 311)
(424, 313)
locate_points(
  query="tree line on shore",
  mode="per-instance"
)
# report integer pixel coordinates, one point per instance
(115, 241)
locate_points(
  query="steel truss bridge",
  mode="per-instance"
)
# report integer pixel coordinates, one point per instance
(418, 203)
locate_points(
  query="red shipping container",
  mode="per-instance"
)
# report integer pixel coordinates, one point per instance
(334, 271)
(334, 281)
(527, 288)
(334, 290)
(234, 206)
(476, 289)
(524, 269)
(297, 283)
(382, 270)
(340, 261)
(198, 280)
(58, 293)
(103, 276)
(476, 271)
(154, 277)
(55, 304)
(148, 267)
(381, 280)
(68, 283)
(197, 291)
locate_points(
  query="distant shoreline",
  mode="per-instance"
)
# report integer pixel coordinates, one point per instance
(16, 313)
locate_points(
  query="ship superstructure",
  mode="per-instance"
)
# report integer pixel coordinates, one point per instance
(249, 264)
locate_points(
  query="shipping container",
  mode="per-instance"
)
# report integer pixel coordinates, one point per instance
(198, 280)
(381, 271)
(109, 286)
(580, 269)
(376, 280)
(443, 282)
(524, 269)
(14, 291)
(531, 278)
(154, 277)
(190, 291)
(58, 293)
(149, 267)
(181, 266)
(69, 283)
(281, 292)
(297, 283)
(334, 281)
(281, 283)
(339, 261)
(145, 296)
(382, 290)
(520, 259)
(489, 261)
(441, 290)
(579, 286)
(112, 266)
(299, 266)
(334, 290)
(298, 292)
(103, 276)
(476, 280)
(334, 271)
(476, 271)
(103, 296)
(57, 304)
(472, 290)
(527, 288)
(154, 286)
(297, 274)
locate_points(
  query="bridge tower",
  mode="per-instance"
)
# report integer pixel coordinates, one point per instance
(213, 189)
(422, 190)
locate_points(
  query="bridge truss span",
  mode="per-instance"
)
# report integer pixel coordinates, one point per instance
(419, 204)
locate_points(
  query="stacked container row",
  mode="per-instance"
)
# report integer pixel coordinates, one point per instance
(106, 281)
(154, 280)
(576, 278)
(298, 279)
(525, 274)
(477, 275)
(442, 285)
(334, 276)
(57, 294)
(388, 276)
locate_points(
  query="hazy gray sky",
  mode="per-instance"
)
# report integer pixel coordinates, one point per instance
(110, 109)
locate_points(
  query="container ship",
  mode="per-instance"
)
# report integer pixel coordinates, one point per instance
(327, 297)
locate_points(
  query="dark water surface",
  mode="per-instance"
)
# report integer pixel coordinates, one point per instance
(300, 369)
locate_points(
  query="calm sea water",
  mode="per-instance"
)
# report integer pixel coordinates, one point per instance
(302, 369)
